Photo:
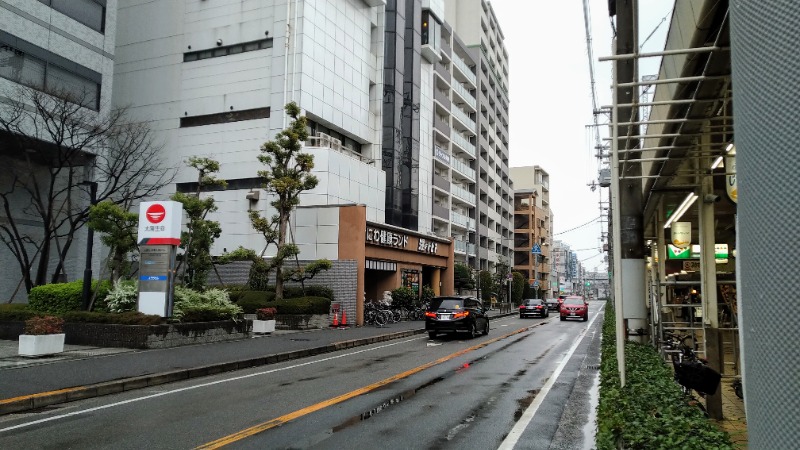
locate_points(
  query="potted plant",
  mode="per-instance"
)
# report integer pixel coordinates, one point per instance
(265, 320)
(44, 335)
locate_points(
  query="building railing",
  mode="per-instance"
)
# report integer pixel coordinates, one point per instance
(464, 69)
(465, 94)
(463, 194)
(463, 117)
(464, 169)
(463, 143)
(323, 140)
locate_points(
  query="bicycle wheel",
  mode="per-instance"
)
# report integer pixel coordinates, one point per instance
(380, 319)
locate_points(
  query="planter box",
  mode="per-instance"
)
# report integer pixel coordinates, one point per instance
(38, 345)
(263, 326)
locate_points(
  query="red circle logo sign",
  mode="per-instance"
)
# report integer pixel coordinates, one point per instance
(155, 213)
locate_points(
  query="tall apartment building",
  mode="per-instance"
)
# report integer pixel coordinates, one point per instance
(533, 225)
(50, 46)
(475, 23)
(450, 83)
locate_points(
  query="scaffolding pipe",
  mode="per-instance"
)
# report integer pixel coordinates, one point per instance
(675, 80)
(683, 51)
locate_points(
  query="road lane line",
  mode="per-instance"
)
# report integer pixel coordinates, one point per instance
(513, 436)
(278, 421)
(189, 388)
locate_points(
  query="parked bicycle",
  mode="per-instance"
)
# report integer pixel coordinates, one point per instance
(691, 371)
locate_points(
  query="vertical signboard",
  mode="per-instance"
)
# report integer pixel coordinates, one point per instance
(159, 237)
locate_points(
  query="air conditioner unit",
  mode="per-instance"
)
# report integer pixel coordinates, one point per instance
(253, 195)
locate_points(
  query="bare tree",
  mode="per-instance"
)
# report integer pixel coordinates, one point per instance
(56, 152)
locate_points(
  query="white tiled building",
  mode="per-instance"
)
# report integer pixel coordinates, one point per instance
(213, 76)
(51, 45)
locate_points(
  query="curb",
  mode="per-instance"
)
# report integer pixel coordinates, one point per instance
(40, 400)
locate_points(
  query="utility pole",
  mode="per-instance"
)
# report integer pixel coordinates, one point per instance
(631, 232)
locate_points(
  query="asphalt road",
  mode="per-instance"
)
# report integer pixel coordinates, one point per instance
(526, 385)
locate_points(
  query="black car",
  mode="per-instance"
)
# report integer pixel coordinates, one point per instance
(553, 304)
(454, 314)
(533, 307)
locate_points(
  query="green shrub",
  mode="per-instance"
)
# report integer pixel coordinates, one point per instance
(211, 303)
(311, 291)
(204, 313)
(58, 298)
(257, 279)
(122, 297)
(125, 318)
(302, 305)
(404, 297)
(253, 300)
(650, 412)
(16, 312)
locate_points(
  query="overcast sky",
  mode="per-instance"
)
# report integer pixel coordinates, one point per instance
(551, 103)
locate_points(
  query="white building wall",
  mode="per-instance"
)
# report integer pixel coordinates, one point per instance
(426, 149)
(336, 60)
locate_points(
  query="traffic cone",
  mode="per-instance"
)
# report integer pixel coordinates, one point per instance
(335, 319)
(344, 319)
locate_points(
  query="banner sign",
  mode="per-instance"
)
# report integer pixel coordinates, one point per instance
(681, 234)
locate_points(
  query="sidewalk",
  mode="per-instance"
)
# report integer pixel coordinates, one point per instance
(84, 372)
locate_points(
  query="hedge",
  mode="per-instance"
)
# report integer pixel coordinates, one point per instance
(59, 298)
(17, 312)
(125, 318)
(650, 412)
(302, 305)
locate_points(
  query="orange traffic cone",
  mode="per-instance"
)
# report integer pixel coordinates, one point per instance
(335, 319)
(344, 318)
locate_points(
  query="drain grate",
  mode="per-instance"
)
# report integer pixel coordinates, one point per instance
(593, 366)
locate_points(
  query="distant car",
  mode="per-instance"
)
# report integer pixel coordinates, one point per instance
(456, 314)
(574, 307)
(553, 304)
(533, 307)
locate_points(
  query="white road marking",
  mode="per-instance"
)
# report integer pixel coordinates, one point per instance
(189, 388)
(513, 436)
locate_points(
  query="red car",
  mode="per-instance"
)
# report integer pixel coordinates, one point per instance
(574, 307)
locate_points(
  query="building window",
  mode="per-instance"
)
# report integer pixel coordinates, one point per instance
(431, 29)
(91, 13)
(225, 117)
(227, 50)
(37, 68)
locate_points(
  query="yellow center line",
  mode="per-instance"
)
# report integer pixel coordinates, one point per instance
(278, 421)
(41, 394)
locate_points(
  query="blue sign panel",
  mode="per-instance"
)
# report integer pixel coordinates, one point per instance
(536, 250)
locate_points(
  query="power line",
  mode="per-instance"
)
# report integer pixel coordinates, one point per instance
(579, 226)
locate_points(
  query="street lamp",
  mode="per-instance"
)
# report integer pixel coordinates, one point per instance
(87, 271)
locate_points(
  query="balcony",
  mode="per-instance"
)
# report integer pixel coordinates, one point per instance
(441, 183)
(463, 169)
(460, 220)
(443, 98)
(461, 193)
(440, 212)
(463, 144)
(440, 125)
(460, 246)
(465, 95)
(464, 69)
(462, 117)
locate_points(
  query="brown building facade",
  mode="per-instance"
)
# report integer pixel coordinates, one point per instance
(389, 257)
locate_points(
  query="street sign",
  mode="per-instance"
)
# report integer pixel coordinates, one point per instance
(536, 249)
(536, 284)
